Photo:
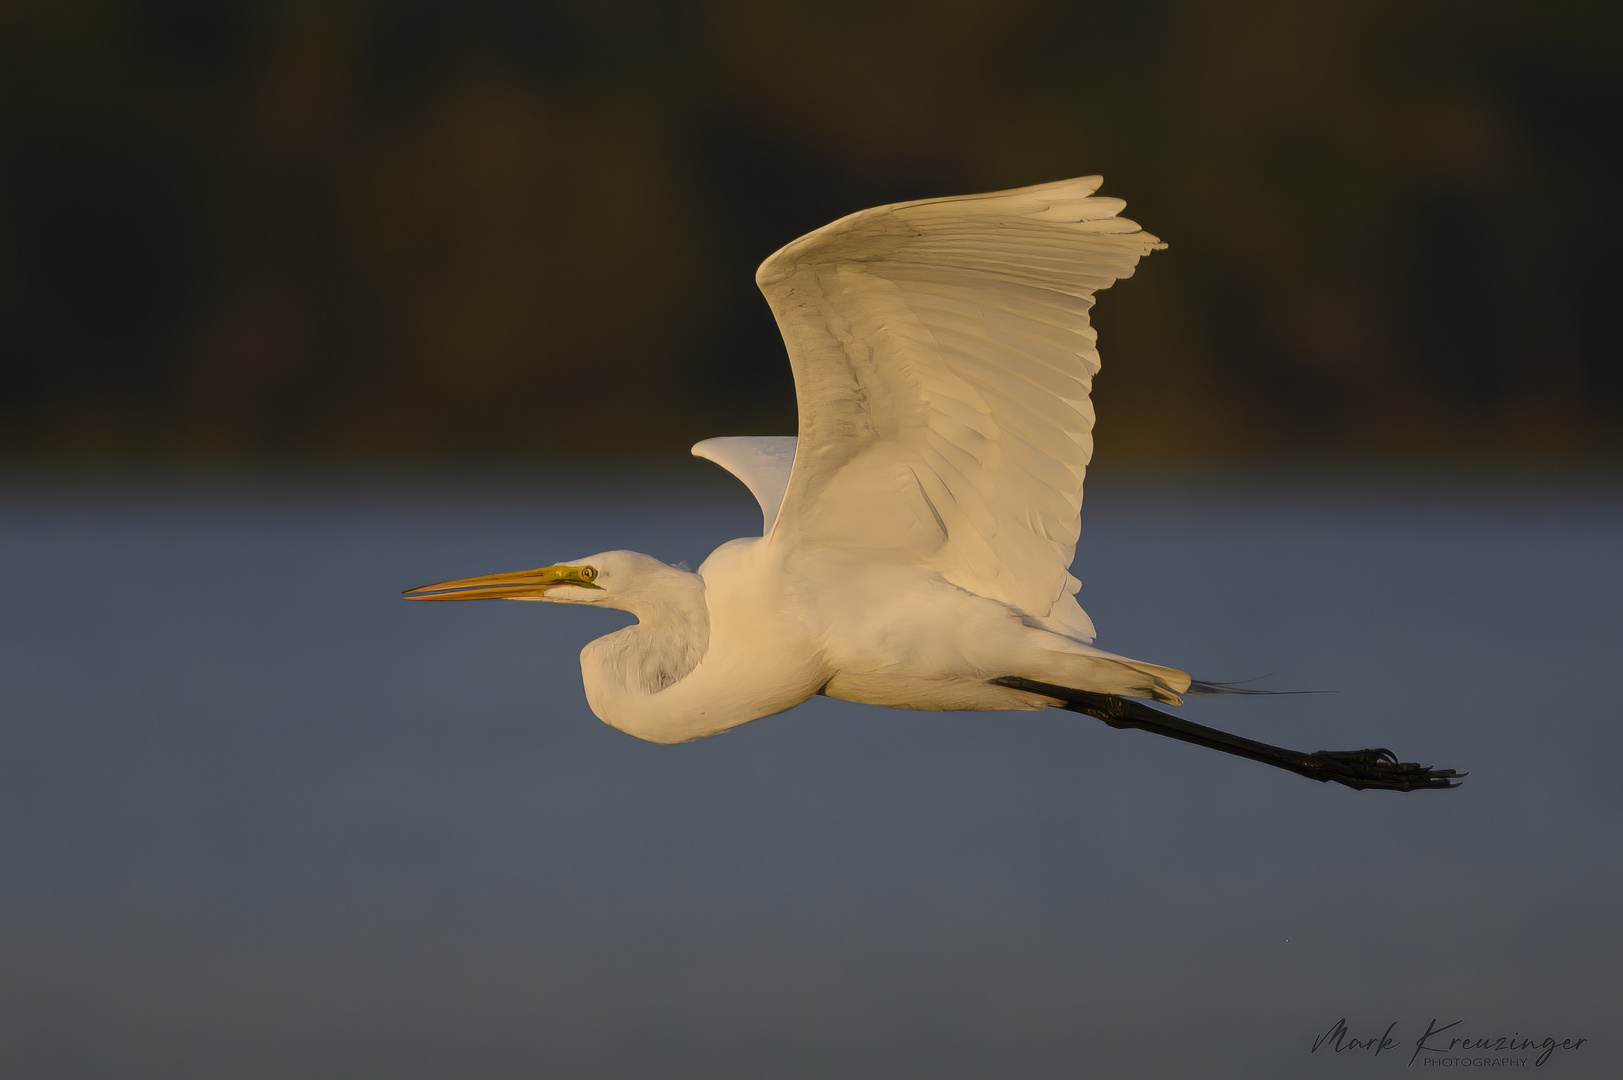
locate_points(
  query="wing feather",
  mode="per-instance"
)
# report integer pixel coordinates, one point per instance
(943, 363)
(762, 462)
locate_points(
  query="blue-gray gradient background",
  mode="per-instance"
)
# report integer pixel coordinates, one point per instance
(259, 818)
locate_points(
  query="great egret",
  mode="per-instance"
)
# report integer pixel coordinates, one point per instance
(916, 538)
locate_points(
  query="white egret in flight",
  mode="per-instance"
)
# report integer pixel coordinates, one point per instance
(917, 537)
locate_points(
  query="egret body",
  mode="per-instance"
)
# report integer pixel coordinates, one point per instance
(917, 536)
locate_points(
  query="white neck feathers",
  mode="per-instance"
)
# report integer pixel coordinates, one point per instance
(668, 641)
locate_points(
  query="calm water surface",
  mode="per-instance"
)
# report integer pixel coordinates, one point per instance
(259, 818)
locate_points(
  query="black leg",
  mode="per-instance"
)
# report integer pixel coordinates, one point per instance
(1378, 768)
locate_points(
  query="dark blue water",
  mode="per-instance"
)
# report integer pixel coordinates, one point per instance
(259, 818)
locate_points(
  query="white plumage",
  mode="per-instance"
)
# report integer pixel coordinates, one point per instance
(917, 539)
(943, 361)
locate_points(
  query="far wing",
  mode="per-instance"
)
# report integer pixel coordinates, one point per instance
(943, 360)
(761, 461)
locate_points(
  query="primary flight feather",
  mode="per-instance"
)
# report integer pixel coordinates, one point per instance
(918, 535)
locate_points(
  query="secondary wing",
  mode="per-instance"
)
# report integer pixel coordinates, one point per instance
(762, 462)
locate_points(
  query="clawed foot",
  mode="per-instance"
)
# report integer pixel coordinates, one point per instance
(1377, 768)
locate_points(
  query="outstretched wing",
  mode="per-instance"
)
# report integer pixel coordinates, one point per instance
(943, 359)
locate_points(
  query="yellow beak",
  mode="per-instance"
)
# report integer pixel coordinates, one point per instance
(511, 586)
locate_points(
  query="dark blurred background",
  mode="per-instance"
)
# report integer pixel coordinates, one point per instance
(361, 231)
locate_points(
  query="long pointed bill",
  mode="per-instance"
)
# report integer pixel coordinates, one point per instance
(518, 585)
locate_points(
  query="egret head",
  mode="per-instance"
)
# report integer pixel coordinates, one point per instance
(608, 579)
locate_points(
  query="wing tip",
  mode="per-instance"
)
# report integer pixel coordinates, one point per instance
(710, 449)
(1072, 200)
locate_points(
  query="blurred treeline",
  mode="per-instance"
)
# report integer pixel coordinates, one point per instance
(476, 228)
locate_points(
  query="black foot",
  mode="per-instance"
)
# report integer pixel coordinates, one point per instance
(1378, 768)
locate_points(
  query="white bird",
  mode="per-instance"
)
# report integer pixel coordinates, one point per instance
(916, 539)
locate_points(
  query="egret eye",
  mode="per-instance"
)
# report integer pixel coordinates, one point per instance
(588, 573)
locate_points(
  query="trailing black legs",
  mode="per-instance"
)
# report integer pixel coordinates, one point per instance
(1377, 768)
